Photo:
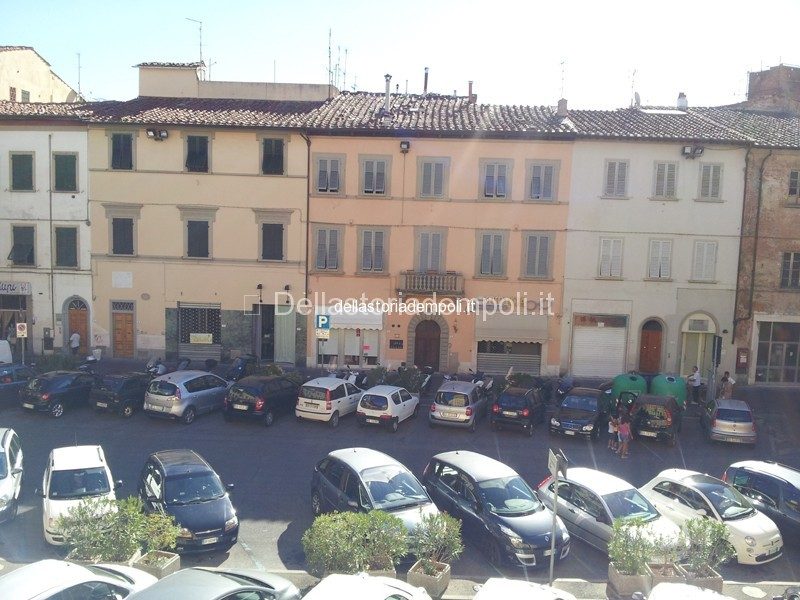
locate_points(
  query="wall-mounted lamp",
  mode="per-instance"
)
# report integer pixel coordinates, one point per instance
(158, 135)
(287, 287)
(692, 151)
(405, 146)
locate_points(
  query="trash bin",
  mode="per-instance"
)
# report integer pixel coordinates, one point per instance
(670, 385)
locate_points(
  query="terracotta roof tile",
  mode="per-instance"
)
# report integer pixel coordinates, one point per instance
(172, 65)
(12, 48)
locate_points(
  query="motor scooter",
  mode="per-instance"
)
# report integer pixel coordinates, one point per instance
(427, 373)
(89, 365)
(242, 366)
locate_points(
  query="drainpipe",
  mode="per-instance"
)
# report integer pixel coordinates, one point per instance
(308, 207)
(739, 258)
(50, 231)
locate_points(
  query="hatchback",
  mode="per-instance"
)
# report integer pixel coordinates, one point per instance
(728, 421)
(11, 470)
(12, 379)
(54, 391)
(260, 398)
(122, 394)
(579, 414)
(458, 404)
(184, 395)
(364, 587)
(326, 399)
(386, 405)
(207, 583)
(499, 512)
(361, 479)
(656, 417)
(518, 407)
(497, 588)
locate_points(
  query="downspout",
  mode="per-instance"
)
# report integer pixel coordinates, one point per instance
(739, 258)
(308, 207)
(50, 231)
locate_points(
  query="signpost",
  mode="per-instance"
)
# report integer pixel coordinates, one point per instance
(557, 465)
(22, 333)
(322, 323)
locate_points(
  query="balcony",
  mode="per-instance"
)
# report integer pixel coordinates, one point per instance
(448, 283)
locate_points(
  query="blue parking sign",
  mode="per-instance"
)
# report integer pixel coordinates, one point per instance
(323, 322)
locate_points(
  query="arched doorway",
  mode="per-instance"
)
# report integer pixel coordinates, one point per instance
(697, 343)
(427, 344)
(650, 347)
(77, 320)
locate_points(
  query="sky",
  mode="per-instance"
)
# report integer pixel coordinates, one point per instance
(594, 53)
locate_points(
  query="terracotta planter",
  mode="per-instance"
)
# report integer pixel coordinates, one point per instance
(663, 573)
(435, 585)
(710, 579)
(159, 563)
(79, 561)
(383, 573)
(625, 585)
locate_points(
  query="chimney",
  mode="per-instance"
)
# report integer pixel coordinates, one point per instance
(425, 86)
(388, 93)
(472, 98)
(683, 103)
(562, 111)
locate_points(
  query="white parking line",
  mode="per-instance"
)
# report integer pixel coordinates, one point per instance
(252, 556)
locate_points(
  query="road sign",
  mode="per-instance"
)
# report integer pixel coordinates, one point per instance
(556, 463)
(323, 334)
(22, 330)
(323, 322)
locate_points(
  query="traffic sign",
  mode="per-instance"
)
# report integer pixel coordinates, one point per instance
(22, 330)
(556, 463)
(323, 322)
(323, 334)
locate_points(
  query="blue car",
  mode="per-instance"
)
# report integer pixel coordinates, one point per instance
(13, 378)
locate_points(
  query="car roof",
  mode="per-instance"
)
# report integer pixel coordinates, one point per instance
(193, 582)
(655, 399)
(477, 466)
(3, 432)
(328, 383)
(583, 391)
(182, 376)
(784, 472)
(77, 457)
(462, 387)
(181, 461)
(36, 578)
(598, 481)
(732, 404)
(516, 391)
(359, 587)
(383, 390)
(258, 379)
(680, 475)
(359, 459)
(55, 374)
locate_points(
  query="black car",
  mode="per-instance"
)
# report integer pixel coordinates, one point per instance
(123, 394)
(182, 484)
(499, 512)
(656, 417)
(54, 391)
(580, 413)
(518, 407)
(13, 378)
(260, 397)
(243, 366)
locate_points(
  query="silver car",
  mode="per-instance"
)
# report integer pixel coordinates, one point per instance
(185, 394)
(726, 420)
(458, 404)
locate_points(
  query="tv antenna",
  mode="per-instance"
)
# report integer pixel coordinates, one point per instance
(633, 87)
(563, 75)
(200, 31)
(79, 76)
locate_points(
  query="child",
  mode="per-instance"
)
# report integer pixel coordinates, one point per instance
(613, 432)
(624, 437)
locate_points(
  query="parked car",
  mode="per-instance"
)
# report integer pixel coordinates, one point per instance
(122, 394)
(518, 407)
(590, 501)
(54, 391)
(728, 421)
(260, 397)
(184, 395)
(207, 583)
(11, 471)
(773, 488)
(684, 591)
(364, 587)
(62, 580)
(182, 484)
(579, 414)
(386, 405)
(327, 399)
(362, 479)
(243, 366)
(73, 474)
(681, 495)
(458, 404)
(13, 378)
(499, 512)
(656, 417)
(498, 588)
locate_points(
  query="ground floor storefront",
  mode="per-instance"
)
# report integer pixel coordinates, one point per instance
(776, 348)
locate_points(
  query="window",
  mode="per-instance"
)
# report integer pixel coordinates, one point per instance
(272, 241)
(429, 245)
(373, 179)
(272, 156)
(610, 257)
(26, 96)
(65, 169)
(327, 249)
(197, 245)
(705, 261)
(790, 271)
(122, 236)
(197, 153)
(660, 259)
(542, 178)
(122, 151)
(616, 184)
(664, 183)
(12, 94)
(22, 171)
(491, 254)
(66, 246)
(329, 174)
(372, 250)
(536, 254)
(22, 251)
(495, 179)
(794, 187)
(432, 177)
(710, 182)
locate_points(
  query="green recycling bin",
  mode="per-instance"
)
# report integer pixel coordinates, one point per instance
(670, 385)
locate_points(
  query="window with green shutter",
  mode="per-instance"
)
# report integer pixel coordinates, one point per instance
(710, 182)
(22, 171)
(491, 258)
(666, 174)
(272, 157)
(197, 153)
(272, 241)
(66, 246)
(122, 236)
(433, 178)
(22, 249)
(122, 151)
(616, 184)
(430, 252)
(197, 245)
(372, 250)
(65, 176)
(327, 258)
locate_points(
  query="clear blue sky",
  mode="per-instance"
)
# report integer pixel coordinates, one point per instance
(513, 50)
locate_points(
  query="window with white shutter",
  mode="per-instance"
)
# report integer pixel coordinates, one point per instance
(790, 271)
(710, 182)
(373, 176)
(666, 174)
(705, 261)
(542, 177)
(372, 250)
(329, 174)
(536, 254)
(659, 265)
(610, 257)
(433, 177)
(616, 184)
(491, 257)
(430, 245)
(495, 179)
(327, 244)
(794, 187)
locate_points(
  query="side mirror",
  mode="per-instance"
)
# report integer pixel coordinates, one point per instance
(229, 487)
(118, 484)
(38, 492)
(151, 498)
(701, 512)
(352, 504)
(16, 470)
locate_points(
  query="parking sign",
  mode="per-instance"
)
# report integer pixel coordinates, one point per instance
(323, 322)
(22, 330)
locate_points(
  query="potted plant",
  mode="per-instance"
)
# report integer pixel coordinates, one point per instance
(708, 548)
(385, 544)
(160, 532)
(435, 541)
(628, 552)
(333, 544)
(662, 565)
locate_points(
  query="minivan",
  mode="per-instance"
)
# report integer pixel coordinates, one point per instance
(326, 399)
(184, 395)
(458, 404)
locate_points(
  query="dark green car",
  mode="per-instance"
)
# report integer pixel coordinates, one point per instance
(122, 394)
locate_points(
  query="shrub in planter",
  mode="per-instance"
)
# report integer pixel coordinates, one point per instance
(386, 541)
(628, 551)
(708, 548)
(662, 565)
(435, 541)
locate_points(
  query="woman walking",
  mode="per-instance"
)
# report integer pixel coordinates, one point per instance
(624, 436)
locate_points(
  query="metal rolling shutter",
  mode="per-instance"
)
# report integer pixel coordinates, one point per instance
(598, 351)
(498, 364)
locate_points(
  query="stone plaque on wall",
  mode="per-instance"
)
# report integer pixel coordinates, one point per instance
(121, 279)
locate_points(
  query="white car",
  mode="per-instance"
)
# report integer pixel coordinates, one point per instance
(670, 591)
(364, 587)
(60, 579)
(72, 475)
(10, 474)
(327, 399)
(681, 495)
(386, 405)
(498, 588)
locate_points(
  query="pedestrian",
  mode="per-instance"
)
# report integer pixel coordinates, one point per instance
(624, 436)
(726, 386)
(613, 433)
(74, 342)
(696, 381)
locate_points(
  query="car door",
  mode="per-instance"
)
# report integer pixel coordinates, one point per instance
(594, 519)
(217, 388)
(15, 463)
(283, 396)
(469, 510)
(332, 473)
(151, 487)
(409, 402)
(395, 405)
(353, 396)
(21, 377)
(763, 491)
(354, 497)
(442, 487)
(80, 388)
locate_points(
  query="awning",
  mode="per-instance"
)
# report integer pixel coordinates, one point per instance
(346, 318)
(510, 328)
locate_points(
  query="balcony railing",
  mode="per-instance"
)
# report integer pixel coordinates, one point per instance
(448, 283)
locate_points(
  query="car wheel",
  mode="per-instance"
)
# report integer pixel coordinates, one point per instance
(57, 410)
(316, 504)
(334, 420)
(127, 410)
(188, 415)
(269, 418)
(394, 425)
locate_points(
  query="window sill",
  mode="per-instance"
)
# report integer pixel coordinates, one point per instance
(339, 194)
(131, 170)
(23, 266)
(200, 258)
(789, 290)
(494, 199)
(490, 277)
(374, 274)
(434, 198)
(541, 201)
(659, 279)
(795, 204)
(13, 191)
(198, 172)
(66, 192)
(326, 272)
(706, 281)
(663, 199)
(615, 197)
(609, 278)
(277, 261)
(67, 267)
(272, 174)
(709, 200)
(532, 278)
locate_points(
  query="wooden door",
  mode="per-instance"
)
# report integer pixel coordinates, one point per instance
(78, 319)
(650, 348)
(426, 345)
(122, 324)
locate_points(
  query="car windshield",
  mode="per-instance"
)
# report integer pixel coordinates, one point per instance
(105, 572)
(733, 415)
(508, 496)
(113, 384)
(3, 466)
(583, 403)
(78, 483)
(727, 501)
(193, 488)
(393, 487)
(161, 388)
(374, 402)
(39, 384)
(454, 399)
(512, 401)
(311, 392)
(654, 411)
(630, 504)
